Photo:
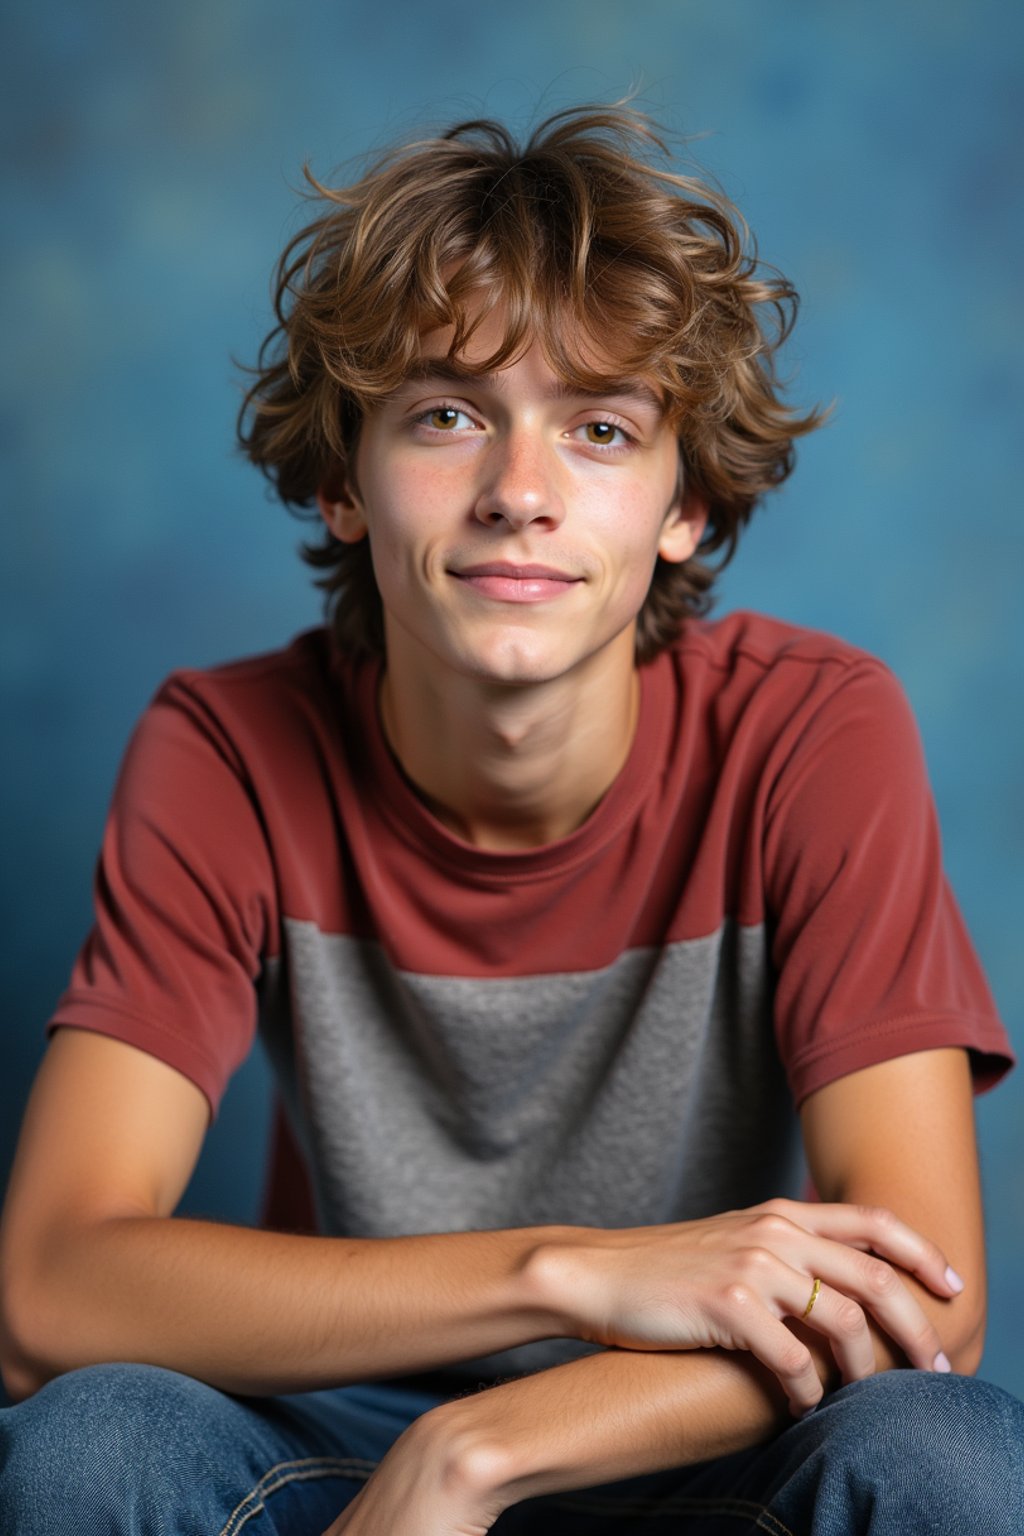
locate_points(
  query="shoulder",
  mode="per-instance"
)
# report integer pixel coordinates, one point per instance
(761, 674)
(759, 642)
(304, 666)
(276, 718)
(299, 692)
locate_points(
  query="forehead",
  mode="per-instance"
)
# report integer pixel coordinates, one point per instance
(492, 332)
(442, 367)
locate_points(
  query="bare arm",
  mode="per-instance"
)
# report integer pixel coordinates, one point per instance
(900, 1134)
(94, 1266)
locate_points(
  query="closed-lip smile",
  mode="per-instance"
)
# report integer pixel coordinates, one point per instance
(502, 581)
(515, 572)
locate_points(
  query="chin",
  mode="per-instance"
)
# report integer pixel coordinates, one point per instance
(515, 664)
(521, 676)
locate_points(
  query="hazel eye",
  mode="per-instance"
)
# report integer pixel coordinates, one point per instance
(604, 434)
(444, 418)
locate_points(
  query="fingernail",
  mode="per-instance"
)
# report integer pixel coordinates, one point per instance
(941, 1363)
(953, 1280)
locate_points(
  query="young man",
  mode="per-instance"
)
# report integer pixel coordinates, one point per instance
(571, 921)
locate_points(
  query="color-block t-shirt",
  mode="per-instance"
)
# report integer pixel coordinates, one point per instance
(614, 1029)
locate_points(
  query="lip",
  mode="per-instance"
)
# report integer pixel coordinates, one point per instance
(503, 582)
(516, 572)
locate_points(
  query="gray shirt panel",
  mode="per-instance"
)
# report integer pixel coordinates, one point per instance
(645, 1092)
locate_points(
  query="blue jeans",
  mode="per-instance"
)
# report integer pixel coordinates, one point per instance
(133, 1448)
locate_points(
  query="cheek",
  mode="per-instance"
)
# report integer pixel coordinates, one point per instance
(407, 507)
(631, 535)
(402, 538)
(635, 586)
(390, 555)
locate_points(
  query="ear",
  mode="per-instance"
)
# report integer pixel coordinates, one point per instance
(341, 508)
(683, 528)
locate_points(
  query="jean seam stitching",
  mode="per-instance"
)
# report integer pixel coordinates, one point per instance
(284, 1472)
(776, 1527)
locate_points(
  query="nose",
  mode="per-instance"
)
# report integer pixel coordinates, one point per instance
(520, 485)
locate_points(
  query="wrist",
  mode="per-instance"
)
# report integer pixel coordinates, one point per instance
(550, 1276)
(465, 1458)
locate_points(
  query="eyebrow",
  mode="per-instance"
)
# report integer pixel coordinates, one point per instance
(448, 371)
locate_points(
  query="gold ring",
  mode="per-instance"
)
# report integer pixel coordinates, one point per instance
(814, 1296)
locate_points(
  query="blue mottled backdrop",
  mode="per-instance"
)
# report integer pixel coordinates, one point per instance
(148, 184)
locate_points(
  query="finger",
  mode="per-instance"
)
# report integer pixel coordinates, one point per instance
(855, 1282)
(788, 1291)
(878, 1286)
(875, 1228)
(770, 1341)
(839, 1318)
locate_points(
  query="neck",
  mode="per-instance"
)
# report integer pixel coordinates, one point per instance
(512, 767)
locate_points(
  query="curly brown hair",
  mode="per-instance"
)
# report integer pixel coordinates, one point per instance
(591, 243)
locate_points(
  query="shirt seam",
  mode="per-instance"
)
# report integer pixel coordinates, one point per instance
(379, 944)
(815, 1053)
(74, 999)
(695, 646)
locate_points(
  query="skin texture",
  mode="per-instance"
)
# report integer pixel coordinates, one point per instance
(512, 718)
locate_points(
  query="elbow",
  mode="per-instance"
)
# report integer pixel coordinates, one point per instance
(18, 1379)
(20, 1375)
(960, 1324)
(24, 1366)
(965, 1353)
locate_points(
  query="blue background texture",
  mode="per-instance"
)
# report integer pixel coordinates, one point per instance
(149, 184)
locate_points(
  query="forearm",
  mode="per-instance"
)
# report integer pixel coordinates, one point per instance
(260, 1312)
(610, 1416)
(614, 1415)
(622, 1414)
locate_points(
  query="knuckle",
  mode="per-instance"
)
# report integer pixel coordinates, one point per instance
(772, 1225)
(795, 1360)
(754, 1261)
(736, 1297)
(850, 1318)
(879, 1217)
(880, 1277)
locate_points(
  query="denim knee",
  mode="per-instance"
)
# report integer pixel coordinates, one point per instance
(935, 1453)
(110, 1448)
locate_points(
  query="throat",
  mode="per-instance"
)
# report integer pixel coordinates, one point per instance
(510, 779)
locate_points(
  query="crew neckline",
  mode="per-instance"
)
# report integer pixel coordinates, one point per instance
(411, 818)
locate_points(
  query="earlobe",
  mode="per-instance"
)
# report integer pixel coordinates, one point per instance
(342, 512)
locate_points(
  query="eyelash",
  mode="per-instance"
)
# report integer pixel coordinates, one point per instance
(422, 419)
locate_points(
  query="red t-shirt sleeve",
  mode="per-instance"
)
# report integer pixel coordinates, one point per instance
(871, 953)
(184, 900)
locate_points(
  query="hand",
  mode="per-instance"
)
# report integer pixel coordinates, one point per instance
(436, 1480)
(729, 1281)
